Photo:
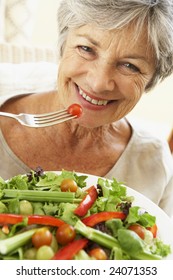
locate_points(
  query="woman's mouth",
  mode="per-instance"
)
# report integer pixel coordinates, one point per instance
(98, 102)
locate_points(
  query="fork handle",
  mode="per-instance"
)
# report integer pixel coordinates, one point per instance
(3, 114)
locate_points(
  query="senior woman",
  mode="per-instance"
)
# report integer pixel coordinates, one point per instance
(111, 52)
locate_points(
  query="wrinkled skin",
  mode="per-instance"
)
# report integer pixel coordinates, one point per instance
(109, 68)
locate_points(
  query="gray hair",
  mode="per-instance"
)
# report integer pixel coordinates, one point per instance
(157, 15)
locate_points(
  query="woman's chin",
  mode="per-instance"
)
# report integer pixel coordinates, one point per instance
(90, 123)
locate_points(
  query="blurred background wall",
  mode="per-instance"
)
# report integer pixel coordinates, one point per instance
(45, 29)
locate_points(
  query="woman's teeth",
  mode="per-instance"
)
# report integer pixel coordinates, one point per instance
(93, 101)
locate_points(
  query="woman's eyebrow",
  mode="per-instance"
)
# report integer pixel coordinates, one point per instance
(89, 39)
(145, 59)
(136, 57)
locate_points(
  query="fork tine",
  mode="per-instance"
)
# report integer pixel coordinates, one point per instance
(51, 114)
(44, 123)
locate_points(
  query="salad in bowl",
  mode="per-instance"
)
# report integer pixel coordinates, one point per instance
(63, 216)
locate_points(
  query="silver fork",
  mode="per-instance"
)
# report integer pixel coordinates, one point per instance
(41, 120)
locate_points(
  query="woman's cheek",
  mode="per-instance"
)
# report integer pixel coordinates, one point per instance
(134, 89)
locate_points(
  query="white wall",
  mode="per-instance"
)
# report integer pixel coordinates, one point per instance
(45, 28)
(154, 109)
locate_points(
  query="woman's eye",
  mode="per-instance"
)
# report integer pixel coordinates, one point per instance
(86, 52)
(85, 48)
(130, 67)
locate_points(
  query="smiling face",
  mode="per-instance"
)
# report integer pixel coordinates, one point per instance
(106, 72)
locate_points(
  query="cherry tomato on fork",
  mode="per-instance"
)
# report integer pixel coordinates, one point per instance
(75, 110)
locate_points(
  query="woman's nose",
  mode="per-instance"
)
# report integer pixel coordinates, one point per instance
(101, 78)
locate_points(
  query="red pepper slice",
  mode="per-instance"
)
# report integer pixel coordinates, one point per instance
(87, 202)
(68, 252)
(102, 217)
(32, 219)
(153, 230)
